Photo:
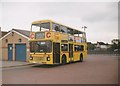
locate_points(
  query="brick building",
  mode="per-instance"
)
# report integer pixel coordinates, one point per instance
(15, 45)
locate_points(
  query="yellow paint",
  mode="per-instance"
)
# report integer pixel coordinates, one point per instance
(56, 37)
(41, 58)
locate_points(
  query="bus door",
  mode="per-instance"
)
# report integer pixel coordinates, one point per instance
(70, 51)
(56, 52)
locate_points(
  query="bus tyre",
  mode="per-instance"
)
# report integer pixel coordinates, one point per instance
(63, 59)
(81, 57)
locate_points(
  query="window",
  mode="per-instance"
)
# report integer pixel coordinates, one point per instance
(63, 29)
(83, 40)
(45, 26)
(41, 46)
(55, 27)
(70, 31)
(35, 27)
(40, 35)
(41, 27)
(76, 33)
(32, 46)
(71, 38)
(81, 47)
(78, 47)
(20, 40)
(64, 47)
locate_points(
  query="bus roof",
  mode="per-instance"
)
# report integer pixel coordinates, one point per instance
(47, 20)
(41, 21)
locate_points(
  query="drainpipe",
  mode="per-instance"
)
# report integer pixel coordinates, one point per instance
(0, 57)
(0, 33)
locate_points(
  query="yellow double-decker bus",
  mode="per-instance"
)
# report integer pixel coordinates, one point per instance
(54, 43)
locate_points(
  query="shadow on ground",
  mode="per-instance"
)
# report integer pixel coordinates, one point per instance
(52, 66)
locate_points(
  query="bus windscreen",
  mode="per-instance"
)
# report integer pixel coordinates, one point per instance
(41, 46)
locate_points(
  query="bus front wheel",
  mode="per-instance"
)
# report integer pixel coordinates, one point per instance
(81, 57)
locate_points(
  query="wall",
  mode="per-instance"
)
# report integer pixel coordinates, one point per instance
(0, 45)
(0, 50)
(103, 46)
(13, 38)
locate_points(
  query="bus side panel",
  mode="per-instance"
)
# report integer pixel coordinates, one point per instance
(76, 56)
(85, 50)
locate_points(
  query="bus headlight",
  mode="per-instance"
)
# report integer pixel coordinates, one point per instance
(31, 58)
(48, 58)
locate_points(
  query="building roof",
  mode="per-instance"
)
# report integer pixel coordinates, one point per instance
(101, 43)
(3, 33)
(89, 43)
(24, 32)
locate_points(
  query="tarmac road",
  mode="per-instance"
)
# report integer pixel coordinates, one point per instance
(96, 69)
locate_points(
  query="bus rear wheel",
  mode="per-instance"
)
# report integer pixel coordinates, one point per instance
(63, 59)
(81, 57)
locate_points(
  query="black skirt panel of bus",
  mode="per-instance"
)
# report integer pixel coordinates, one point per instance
(56, 52)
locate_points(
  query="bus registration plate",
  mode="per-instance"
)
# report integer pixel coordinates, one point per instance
(41, 58)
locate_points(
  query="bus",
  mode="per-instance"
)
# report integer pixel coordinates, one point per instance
(54, 43)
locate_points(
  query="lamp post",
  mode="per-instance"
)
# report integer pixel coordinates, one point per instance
(84, 27)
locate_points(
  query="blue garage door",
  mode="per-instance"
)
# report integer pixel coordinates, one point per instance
(10, 52)
(20, 52)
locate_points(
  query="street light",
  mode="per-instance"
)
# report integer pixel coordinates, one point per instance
(84, 27)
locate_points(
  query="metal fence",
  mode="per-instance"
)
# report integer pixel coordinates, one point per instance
(103, 52)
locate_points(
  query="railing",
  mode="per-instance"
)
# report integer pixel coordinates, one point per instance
(103, 52)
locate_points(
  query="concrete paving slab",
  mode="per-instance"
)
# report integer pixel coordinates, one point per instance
(6, 64)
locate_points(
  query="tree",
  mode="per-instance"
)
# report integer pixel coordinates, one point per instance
(115, 46)
(91, 47)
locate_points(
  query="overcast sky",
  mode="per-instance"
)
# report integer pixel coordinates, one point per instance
(99, 17)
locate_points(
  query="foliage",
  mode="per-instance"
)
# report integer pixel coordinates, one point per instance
(91, 47)
(115, 47)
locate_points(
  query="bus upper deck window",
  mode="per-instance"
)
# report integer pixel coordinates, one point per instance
(76, 33)
(35, 27)
(70, 31)
(40, 27)
(45, 26)
(55, 27)
(63, 29)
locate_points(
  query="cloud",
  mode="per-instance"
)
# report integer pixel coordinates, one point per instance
(101, 12)
(100, 18)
